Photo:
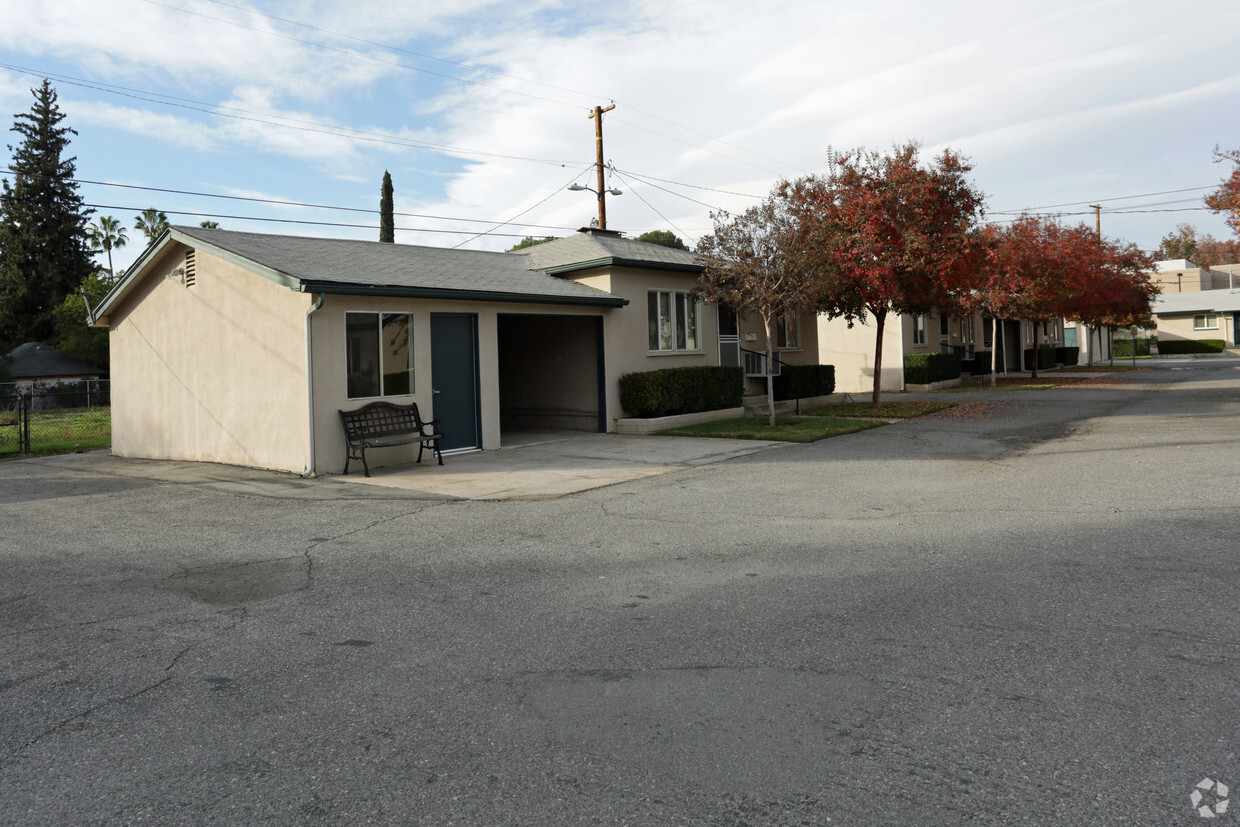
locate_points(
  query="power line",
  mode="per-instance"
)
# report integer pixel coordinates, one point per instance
(283, 203)
(651, 206)
(678, 195)
(554, 193)
(292, 220)
(691, 186)
(222, 111)
(1099, 200)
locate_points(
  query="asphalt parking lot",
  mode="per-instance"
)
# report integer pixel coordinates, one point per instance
(1022, 611)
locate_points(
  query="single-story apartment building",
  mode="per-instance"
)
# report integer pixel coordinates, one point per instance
(241, 347)
(1198, 314)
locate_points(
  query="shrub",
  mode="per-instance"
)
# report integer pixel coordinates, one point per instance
(1123, 347)
(673, 391)
(1189, 346)
(804, 381)
(924, 368)
(1067, 355)
(1046, 357)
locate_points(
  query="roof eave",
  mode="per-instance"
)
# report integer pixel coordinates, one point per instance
(611, 261)
(398, 291)
(99, 316)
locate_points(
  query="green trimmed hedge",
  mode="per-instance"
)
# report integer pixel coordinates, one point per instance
(1067, 356)
(1046, 357)
(1188, 346)
(804, 381)
(924, 368)
(672, 391)
(1123, 347)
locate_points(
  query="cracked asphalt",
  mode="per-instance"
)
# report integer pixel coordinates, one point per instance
(1024, 614)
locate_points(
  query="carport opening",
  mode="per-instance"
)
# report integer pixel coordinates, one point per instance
(550, 375)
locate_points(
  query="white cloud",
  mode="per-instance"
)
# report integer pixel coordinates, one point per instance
(1048, 95)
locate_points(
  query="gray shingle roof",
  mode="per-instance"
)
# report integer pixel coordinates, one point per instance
(597, 248)
(35, 360)
(377, 268)
(1196, 301)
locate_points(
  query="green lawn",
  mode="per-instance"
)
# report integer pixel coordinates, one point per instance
(887, 410)
(61, 431)
(787, 429)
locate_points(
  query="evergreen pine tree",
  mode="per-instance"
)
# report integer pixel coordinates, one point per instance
(387, 222)
(44, 253)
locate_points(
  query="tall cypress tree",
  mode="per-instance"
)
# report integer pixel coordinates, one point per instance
(44, 253)
(387, 222)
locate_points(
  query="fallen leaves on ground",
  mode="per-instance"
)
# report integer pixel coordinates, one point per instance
(974, 410)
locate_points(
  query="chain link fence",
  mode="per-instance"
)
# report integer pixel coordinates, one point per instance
(55, 418)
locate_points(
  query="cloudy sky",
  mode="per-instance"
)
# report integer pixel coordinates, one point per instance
(479, 108)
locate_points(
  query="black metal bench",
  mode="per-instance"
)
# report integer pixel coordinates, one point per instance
(384, 425)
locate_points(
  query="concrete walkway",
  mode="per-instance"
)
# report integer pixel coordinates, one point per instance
(544, 466)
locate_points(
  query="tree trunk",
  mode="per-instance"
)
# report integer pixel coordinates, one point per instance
(880, 319)
(994, 349)
(1034, 361)
(770, 369)
(1089, 340)
(1111, 344)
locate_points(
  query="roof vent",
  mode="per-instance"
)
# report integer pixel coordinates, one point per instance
(191, 269)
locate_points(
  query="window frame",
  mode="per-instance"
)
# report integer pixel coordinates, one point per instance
(920, 326)
(783, 325)
(381, 356)
(1205, 318)
(684, 315)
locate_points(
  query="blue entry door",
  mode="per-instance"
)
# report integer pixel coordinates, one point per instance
(454, 379)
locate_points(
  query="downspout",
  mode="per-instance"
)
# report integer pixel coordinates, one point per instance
(310, 383)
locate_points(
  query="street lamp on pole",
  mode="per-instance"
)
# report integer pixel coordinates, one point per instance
(602, 203)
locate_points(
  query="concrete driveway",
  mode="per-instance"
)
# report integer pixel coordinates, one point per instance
(537, 466)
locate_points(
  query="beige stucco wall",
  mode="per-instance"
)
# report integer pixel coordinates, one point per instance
(1191, 280)
(1181, 327)
(627, 332)
(851, 350)
(752, 333)
(211, 372)
(330, 389)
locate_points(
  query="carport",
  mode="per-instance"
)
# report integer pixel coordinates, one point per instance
(551, 373)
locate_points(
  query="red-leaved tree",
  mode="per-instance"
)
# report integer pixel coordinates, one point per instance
(885, 234)
(1226, 199)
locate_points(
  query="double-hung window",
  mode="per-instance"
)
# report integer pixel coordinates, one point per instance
(919, 330)
(379, 354)
(787, 334)
(673, 317)
(1205, 321)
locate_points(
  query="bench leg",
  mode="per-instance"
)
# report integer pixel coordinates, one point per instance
(364, 465)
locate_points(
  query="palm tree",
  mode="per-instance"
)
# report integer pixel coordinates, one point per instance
(151, 223)
(209, 225)
(105, 236)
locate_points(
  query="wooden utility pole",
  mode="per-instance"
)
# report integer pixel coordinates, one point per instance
(1097, 208)
(597, 114)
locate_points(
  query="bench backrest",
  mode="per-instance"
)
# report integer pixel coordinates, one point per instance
(381, 419)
